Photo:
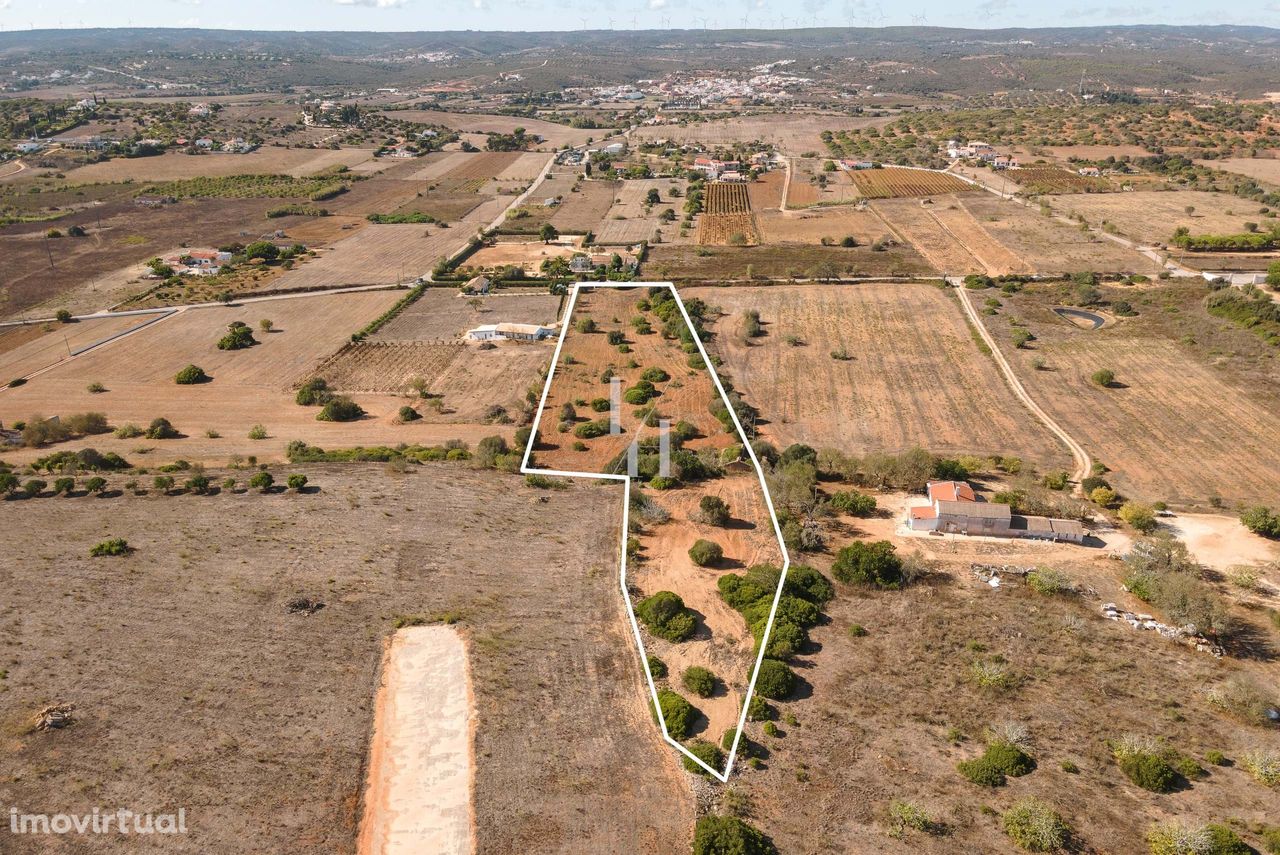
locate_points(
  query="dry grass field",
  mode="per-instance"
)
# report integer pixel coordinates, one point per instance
(915, 377)
(527, 254)
(31, 347)
(729, 263)
(554, 136)
(583, 211)
(441, 314)
(893, 710)
(957, 221)
(913, 223)
(1262, 168)
(890, 183)
(791, 133)
(804, 191)
(1048, 245)
(811, 225)
(171, 166)
(1184, 422)
(249, 387)
(630, 219)
(1151, 217)
(192, 647)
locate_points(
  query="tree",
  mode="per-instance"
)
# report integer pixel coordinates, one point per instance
(874, 564)
(266, 250)
(63, 486)
(1139, 515)
(340, 410)
(1104, 377)
(409, 414)
(261, 481)
(297, 481)
(198, 484)
(548, 233)
(653, 197)
(95, 484)
(665, 615)
(63, 316)
(775, 680)
(191, 375)
(1103, 497)
(238, 337)
(1259, 520)
(8, 483)
(163, 483)
(33, 487)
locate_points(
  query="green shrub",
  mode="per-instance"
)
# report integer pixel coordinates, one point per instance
(238, 337)
(677, 713)
(870, 564)
(340, 410)
(759, 709)
(706, 752)
(1144, 765)
(95, 484)
(1215, 758)
(1104, 377)
(857, 630)
(655, 375)
(127, 431)
(261, 481)
(257, 432)
(112, 546)
(1044, 580)
(591, 430)
(804, 581)
(728, 835)
(705, 552)
(713, 510)
(408, 414)
(664, 614)
(1035, 826)
(641, 393)
(1271, 840)
(297, 481)
(699, 680)
(1264, 765)
(198, 484)
(1000, 760)
(775, 680)
(313, 393)
(33, 487)
(853, 503)
(191, 375)
(161, 428)
(657, 667)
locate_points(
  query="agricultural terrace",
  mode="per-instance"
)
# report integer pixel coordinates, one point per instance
(889, 182)
(205, 610)
(640, 336)
(251, 386)
(856, 368)
(726, 218)
(1189, 416)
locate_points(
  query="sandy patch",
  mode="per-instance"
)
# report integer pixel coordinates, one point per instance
(420, 765)
(1222, 542)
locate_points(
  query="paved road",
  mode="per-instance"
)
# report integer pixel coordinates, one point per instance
(1084, 464)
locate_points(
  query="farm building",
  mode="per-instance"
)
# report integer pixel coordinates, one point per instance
(198, 262)
(955, 509)
(511, 332)
(477, 285)
(28, 147)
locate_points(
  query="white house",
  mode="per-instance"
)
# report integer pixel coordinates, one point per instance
(28, 147)
(954, 508)
(511, 332)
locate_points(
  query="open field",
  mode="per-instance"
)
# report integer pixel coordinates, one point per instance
(792, 133)
(1047, 245)
(726, 217)
(526, 254)
(890, 183)
(782, 260)
(249, 387)
(172, 166)
(912, 222)
(584, 210)
(811, 225)
(1261, 168)
(93, 272)
(630, 219)
(31, 347)
(894, 709)
(1185, 422)
(1151, 216)
(888, 397)
(804, 191)
(194, 619)
(554, 136)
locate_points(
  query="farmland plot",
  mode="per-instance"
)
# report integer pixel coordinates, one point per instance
(895, 182)
(1152, 216)
(555, 136)
(813, 224)
(792, 133)
(631, 219)
(915, 377)
(32, 347)
(443, 315)
(911, 222)
(960, 224)
(805, 191)
(584, 210)
(1053, 179)
(785, 260)
(1174, 428)
(726, 217)
(173, 166)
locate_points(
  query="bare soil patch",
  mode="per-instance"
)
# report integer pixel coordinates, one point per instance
(791, 133)
(1151, 217)
(721, 263)
(171, 166)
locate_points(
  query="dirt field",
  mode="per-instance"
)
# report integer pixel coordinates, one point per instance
(913, 223)
(526, 254)
(442, 315)
(1262, 168)
(193, 643)
(31, 347)
(93, 272)
(894, 710)
(627, 222)
(813, 224)
(1152, 217)
(1178, 427)
(805, 193)
(792, 133)
(888, 397)
(268, 160)
(717, 263)
(584, 210)
(554, 136)
(253, 386)
(1047, 245)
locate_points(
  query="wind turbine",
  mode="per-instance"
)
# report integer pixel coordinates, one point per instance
(666, 22)
(633, 22)
(584, 22)
(611, 23)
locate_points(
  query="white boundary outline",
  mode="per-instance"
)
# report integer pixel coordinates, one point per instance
(566, 316)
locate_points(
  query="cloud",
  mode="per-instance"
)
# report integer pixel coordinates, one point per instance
(372, 4)
(657, 4)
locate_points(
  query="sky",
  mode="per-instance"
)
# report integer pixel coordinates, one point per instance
(541, 15)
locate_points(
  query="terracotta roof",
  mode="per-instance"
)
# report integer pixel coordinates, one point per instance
(951, 491)
(923, 512)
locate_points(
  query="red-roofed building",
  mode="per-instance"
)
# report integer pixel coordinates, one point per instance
(954, 508)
